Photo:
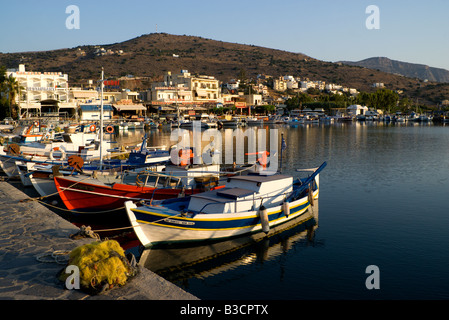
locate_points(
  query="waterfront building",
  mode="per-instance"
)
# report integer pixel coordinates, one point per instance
(91, 112)
(41, 93)
(356, 109)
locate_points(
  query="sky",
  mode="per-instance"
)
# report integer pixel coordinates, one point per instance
(329, 30)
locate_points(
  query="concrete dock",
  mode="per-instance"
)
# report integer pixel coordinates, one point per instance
(28, 231)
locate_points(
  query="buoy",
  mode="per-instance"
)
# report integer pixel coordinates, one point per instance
(92, 128)
(286, 208)
(263, 213)
(36, 123)
(110, 129)
(186, 156)
(56, 149)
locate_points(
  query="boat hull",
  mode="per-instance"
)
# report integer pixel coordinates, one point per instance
(80, 194)
(8, 165)
(153, 227)
(43, 183)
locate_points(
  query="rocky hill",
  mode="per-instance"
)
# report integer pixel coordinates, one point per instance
(406, 69)
(150, 55)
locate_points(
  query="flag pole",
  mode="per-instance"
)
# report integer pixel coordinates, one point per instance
(101, 119)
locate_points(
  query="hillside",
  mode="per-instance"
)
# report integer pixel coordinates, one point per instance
(411, 70)
(151, 55)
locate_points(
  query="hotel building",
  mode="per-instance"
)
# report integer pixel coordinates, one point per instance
(41, 93)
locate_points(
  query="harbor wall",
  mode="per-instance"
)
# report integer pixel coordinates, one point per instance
(30, 233)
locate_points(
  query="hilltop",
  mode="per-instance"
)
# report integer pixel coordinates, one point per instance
(151, 55)
(412, 70)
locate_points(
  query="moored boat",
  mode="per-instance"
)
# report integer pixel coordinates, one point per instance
(248, 204)
(100, 192)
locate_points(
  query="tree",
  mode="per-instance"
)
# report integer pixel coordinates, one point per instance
(3, 93)
(265, 109)
(242, 76)
(297, 101)
(12, 89)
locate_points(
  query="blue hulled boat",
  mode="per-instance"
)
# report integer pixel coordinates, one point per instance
(248, 204)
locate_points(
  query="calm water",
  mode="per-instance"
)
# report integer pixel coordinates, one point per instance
(383, 201)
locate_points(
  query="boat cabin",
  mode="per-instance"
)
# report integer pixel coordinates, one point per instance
(243, 193)
(195, 174)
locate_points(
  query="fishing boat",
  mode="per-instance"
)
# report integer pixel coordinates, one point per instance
(248, 204)
(105, 191)
(41, 175)
(85, 145)
(253, 121)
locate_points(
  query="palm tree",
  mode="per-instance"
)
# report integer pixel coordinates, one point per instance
(13, 89)
(3, 100)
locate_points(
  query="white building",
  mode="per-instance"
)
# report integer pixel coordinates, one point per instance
(184, 88)
(41, 92)
(233, 84)
(279, 84)
(356, 109)
(253, 99)
(91, 112)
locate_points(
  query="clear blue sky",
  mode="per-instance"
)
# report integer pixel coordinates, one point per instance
(411, 31)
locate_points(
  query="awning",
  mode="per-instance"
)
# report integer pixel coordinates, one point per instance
(201, 93)
(129, 107)
(164, 108)
(95, 107)
(67, 105)
(30, 105)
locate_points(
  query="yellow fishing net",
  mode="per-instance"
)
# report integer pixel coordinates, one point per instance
(100, 263)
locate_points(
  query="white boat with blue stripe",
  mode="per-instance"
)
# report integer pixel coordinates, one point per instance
(247, 204)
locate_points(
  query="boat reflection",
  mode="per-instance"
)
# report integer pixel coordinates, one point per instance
(179, 263)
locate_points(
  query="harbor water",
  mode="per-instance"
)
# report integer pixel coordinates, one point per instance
(383, 203)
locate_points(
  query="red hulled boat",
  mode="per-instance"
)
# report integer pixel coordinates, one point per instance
(110, 191)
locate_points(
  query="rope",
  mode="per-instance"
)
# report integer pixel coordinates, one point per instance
(74, 211)
(57, 192)
(52, 257)
(85, 232)
(113, 229)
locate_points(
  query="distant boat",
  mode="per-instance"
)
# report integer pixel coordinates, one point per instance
(248, 204)
(231, 123)
(253, 121)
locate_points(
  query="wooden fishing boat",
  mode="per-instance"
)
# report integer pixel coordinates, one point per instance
(248, 204)
(101, 192)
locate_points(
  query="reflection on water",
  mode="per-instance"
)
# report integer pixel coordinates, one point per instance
(179, 263)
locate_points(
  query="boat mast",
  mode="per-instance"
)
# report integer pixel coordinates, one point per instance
(101, 119)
